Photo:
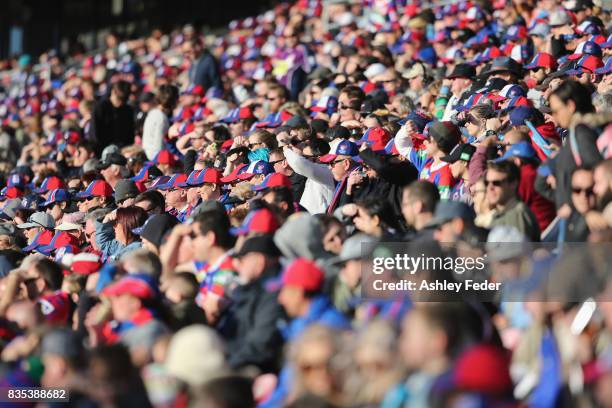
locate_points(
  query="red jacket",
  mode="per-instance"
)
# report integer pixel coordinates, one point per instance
(543, 209)
(549, 133)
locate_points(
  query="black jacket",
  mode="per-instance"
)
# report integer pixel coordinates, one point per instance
(112, 125)
(251, 331)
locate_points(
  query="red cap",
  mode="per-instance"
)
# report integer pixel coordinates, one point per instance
(273, 180)
(493, 374)
(233, 176)
(210, 175)
(261, 221)
(246, 113)
(137, 285)
(303, 273)
(13, 192)
(165, 157)
(85, 263)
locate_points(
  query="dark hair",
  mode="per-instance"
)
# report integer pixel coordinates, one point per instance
(425, 192)
(338, 132)
(168, 96)
(354, 92)
(222, 133)
(24, 213)
(218, 222)
(122, 90)
(154, 197)
(319, 147)
(227, 392)
(375, 206)
(507, 167)
(119, 374)
(51, 273)
(130, 218)
(283, 195)
(571, 90)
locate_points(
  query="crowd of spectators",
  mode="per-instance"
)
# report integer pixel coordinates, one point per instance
(191, 220)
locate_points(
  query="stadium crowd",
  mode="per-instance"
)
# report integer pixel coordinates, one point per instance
(190, 220)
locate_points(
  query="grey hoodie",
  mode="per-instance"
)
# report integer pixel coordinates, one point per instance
(300, 237)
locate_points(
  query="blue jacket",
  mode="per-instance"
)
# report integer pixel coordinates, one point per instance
(110, 247)
(321, 311)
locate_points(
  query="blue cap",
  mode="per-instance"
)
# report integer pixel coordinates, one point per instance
(523, 150)
(56, 196)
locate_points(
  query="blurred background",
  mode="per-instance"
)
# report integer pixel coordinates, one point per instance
(73, 26)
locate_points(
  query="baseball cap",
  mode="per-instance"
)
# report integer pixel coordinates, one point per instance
(376, 138)
(56, 196)
(448, 210)
(207, 175)
(606, 69)
(542, 60)
(327, 104)
(156, 227)
(520, 114)
(521, 149)
(159, 181)
(344, 148)
(60, 239)
(16, 180)
(463, 151)
(238, 114)
(417, 70)
(586, 64)
(233, 176)
(173, 182)
(559, 18)
(148, 172)
(138, 285)
(41, 239)
(164, 157)
(586, 47)
(261, 221)
(37, 220)
(110, 159)
(445, 133)
(125, 189)
(256, 167)
(302, 273)
(419, 118)
(297, 122)
(273, 180)
(97, 188)
(85, 263)
(374, 70)
(50, 183)
(508, 92)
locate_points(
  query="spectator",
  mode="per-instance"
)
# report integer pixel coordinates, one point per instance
(157, 123)
(502, 180)
(113, 118)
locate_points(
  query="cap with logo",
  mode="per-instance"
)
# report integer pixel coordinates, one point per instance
(97, 188)
(344, 148)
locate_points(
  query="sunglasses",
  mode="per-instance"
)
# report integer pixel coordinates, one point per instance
(347, 107)
(333, 163)
(272, 99)
(496, 183)
(276, 161)
(588, 191)
(251, 145)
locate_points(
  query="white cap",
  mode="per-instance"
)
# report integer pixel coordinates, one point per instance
(374, 70)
